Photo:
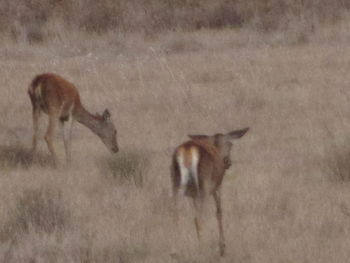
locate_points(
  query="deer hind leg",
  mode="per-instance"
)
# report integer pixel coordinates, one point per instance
(36, 116)
(50, 135)
(66, 127)
(200, 201)
(198, 206)
(217, 198)
(179, 186)
(174, 205)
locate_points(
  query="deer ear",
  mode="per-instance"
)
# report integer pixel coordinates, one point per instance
(198, 137)
(237, 133)
(106, 115)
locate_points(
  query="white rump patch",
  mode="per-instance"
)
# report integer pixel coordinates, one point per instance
(188, 172)
(185, 173)
(194, 166)
(38, 91)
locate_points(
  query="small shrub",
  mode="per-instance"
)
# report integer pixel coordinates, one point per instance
(40, 209)
(126, 167)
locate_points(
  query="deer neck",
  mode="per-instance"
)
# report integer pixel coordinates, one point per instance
(89, 120)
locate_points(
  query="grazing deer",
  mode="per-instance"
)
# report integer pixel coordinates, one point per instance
(197, 171)
(60, 100)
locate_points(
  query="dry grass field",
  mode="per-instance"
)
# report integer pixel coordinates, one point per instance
(285, 199)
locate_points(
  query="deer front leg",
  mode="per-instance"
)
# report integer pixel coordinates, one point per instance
(217, 198)
(66, 126)
(50, 136)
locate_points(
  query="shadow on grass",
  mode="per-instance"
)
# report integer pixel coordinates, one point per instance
(17, 156)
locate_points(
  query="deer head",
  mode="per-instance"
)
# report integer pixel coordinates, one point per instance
(222, 142)
(107, 131)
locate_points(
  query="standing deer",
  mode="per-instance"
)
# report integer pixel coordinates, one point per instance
(60, 100)
(197, 170)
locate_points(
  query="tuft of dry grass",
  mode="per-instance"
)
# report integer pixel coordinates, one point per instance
(180, 43)
(38, 210)
(337, 161)
(129, 166)
(20, 157)
(35, 21)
